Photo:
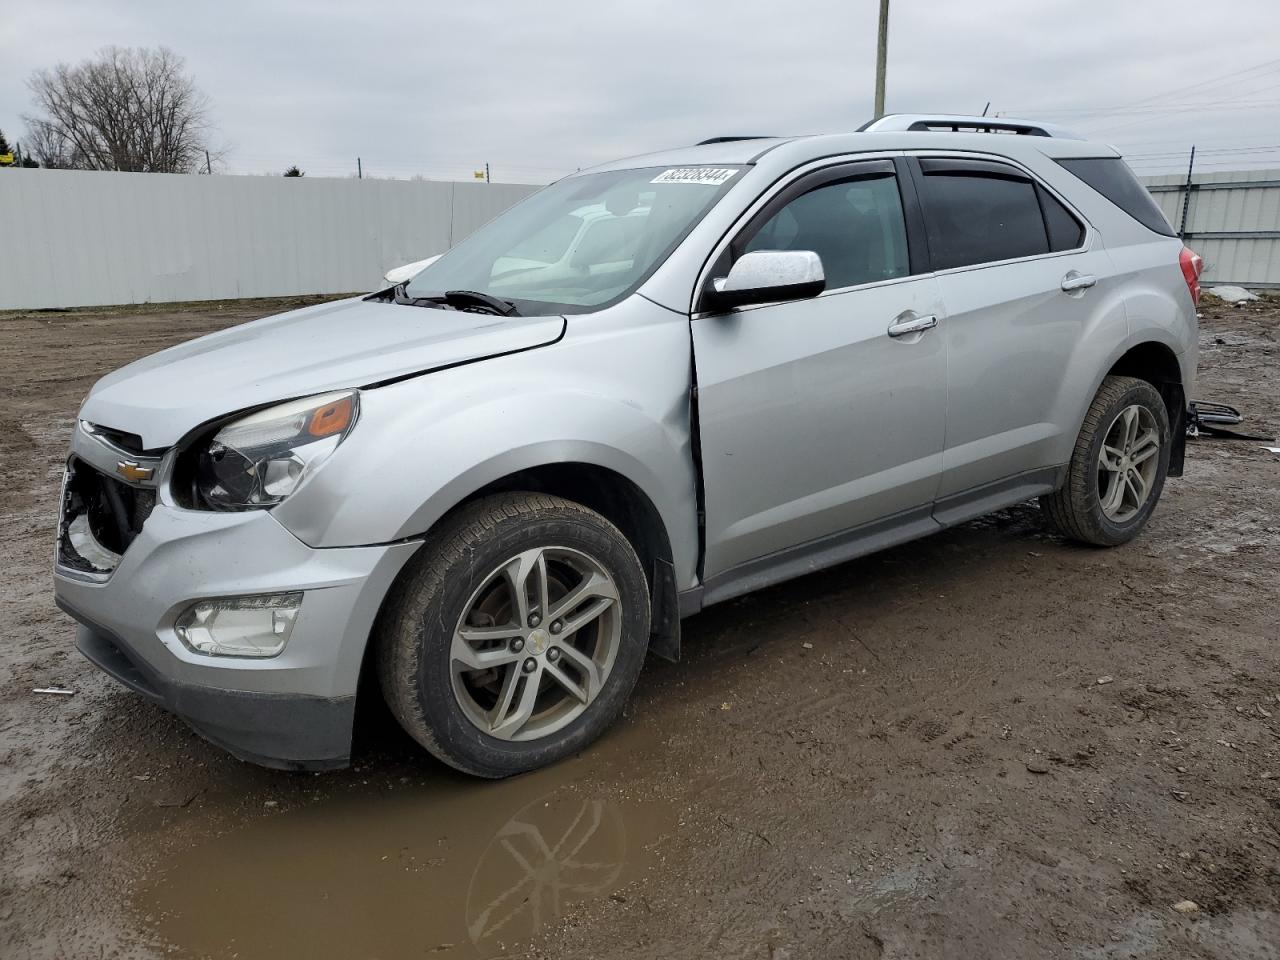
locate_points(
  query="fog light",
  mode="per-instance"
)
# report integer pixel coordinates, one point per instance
(239, 626)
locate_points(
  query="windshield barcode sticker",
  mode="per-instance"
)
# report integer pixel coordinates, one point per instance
(710, 176)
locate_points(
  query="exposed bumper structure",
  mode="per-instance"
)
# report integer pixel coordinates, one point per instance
(293, 710)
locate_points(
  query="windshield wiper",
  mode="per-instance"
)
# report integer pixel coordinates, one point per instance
(459, 300)
(474, 297)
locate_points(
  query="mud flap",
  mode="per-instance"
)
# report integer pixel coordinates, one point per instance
(1175, 401)
(664, 615)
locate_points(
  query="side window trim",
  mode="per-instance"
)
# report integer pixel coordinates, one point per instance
(915, 166)
(961, 166)
(852, 169)
(807, 183)
(918, 257)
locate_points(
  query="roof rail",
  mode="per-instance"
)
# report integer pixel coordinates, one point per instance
(704, 143)
(901, 122)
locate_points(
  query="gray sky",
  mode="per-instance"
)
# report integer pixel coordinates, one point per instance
(540, 88)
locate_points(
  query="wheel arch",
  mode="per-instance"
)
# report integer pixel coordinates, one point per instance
(618, 498)
(622, 502)
(1158, 365)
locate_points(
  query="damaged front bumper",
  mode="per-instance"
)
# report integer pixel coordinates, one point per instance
(294, 709)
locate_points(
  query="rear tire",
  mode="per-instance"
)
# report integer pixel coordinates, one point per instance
(515, 636)
(1118, 467)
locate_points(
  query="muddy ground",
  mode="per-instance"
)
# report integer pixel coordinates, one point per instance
(911, 755)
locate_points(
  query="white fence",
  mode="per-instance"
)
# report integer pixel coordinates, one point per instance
(74, 238)
(1232, 221)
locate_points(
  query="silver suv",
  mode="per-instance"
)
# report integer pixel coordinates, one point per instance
(650, 387)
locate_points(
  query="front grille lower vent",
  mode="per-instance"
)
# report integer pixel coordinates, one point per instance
(101, 517)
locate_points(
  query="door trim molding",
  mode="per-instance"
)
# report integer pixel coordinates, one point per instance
(837, 548)
(813, 555)
(981, 500)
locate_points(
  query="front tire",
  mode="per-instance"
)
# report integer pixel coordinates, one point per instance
(1118, 468)
(515, 636)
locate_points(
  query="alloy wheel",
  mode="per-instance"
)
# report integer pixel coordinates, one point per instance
(535, 643)
(1128, 463)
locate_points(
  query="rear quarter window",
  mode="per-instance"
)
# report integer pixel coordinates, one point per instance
(1112, 178)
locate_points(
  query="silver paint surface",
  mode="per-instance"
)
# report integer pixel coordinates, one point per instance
(813, 420)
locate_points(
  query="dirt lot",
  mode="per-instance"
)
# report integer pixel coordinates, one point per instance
(912, 755)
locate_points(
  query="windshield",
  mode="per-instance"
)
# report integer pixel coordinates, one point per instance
(581, 243)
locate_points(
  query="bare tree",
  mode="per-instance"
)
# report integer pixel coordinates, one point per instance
(126, 109)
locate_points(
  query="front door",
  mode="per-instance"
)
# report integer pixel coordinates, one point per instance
(822, 416)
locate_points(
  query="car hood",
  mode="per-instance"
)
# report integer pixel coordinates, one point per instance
(349, 343)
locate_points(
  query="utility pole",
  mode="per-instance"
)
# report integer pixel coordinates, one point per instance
(882, 54)
(208, 165)
(1186, 196)
(359, 169)
(486, 174)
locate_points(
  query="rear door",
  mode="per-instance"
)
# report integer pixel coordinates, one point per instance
(1018, 273)
(815, 416)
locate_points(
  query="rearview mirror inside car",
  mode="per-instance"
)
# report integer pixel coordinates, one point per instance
(767, 276)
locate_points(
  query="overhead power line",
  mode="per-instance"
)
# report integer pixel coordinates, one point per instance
(1201, 87)
(1266, 67)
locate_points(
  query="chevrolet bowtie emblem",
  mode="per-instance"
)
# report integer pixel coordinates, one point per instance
(130, 470)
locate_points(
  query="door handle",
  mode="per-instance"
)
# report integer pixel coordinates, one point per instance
(900, 328)
(1077, 281)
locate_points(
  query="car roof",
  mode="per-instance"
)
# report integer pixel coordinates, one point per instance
(731, 152)
(791, 151)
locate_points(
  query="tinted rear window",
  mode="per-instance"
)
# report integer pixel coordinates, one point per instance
(1112, 178)
(974, 218)
(1065, 231)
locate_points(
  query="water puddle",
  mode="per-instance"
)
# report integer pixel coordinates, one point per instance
(451, 868)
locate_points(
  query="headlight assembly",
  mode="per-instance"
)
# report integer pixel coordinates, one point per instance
(260, 459)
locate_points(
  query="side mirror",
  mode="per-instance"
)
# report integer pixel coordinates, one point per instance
(409, 270)
(767, 276)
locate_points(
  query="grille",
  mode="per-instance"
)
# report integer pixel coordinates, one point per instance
(101, 516)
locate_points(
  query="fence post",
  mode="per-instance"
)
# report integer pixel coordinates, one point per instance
(1186, 197)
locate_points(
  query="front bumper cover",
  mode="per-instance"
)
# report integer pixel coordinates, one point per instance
(294, 710)
(284, 731)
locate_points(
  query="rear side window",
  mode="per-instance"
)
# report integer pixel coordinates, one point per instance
(1065, 231)
(976, 218)
(1112, 178)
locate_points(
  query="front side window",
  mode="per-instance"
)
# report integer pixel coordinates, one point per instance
(580, 244)
(977, 218)
(855, 226)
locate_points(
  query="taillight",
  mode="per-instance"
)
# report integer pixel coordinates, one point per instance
(1191, 265)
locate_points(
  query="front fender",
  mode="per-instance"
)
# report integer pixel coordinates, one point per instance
(613, 398)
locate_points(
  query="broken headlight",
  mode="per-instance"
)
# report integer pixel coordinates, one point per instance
(260, 459)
